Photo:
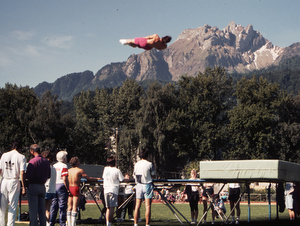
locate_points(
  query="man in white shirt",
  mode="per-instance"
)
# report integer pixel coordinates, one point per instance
(111, 180)
(143, 173)
(12, 165)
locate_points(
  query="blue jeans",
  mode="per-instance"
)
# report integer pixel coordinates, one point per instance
(59, 202)
(36, 201)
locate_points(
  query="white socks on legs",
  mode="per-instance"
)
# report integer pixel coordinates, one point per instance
(73, 219)
(69, 213)
(123, 41)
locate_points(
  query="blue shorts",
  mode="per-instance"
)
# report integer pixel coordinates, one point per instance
(144, 191)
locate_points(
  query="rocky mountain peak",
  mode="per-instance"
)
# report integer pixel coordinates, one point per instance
(236, 48)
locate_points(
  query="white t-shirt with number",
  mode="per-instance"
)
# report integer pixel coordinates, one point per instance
(11, 164)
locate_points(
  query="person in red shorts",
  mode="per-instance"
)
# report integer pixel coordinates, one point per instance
(148, 42)
(75, 175)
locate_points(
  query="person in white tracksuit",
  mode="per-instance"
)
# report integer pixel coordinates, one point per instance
(12, 165)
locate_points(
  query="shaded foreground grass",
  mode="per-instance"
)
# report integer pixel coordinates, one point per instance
(161, 215)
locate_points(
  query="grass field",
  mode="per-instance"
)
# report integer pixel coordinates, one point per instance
(161, 215)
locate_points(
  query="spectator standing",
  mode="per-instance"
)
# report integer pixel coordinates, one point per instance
(208, 191)
(12, 165)
(289, 200)
(111, 181)
(49, 185)
(129, 207)
(74, 176)
(61, 194)
(121, 196)
(38, 172)
(234, 195)
(193, 192)
(143, 173)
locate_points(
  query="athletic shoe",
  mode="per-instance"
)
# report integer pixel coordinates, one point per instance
(123, 41)
(193, 222)
(139, 220)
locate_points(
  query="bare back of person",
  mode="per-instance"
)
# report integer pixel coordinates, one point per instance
(156, 42)
(75, 175)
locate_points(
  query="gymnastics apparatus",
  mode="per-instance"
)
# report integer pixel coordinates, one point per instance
(223, 172)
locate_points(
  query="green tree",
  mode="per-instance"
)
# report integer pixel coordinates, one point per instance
(254, 120)
(205, 99)
(46, 126)
(86, 145)
(163, 127)
(288, 130)
(125, 102)
(16, 105)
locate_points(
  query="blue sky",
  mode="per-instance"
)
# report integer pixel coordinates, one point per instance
(45, 40)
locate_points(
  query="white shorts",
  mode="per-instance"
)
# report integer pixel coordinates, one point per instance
(289, 202)
(111, 200)
(144, 191)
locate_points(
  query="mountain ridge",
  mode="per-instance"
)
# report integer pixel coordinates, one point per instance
(238, 49)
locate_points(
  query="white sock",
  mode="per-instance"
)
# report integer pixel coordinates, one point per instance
(73, 218)
(108, 223)
(123, 41)
(69, 217)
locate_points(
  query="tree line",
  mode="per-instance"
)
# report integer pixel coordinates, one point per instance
(203, 117)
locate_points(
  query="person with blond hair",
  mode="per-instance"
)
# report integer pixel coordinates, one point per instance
(193, 192)
(60, 201)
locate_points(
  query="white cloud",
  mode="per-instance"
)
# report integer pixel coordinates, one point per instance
(23, 35)
(62, 42)
(4, 61)
(26, 50)
(31, 51)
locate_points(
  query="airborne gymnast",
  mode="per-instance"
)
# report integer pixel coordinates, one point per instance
(147, 43)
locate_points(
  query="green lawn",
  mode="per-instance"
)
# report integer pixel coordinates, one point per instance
(161, 215)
